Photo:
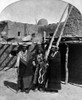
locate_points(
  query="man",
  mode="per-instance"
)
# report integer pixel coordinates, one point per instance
(25, 71)
(54, 71)
(25, 55)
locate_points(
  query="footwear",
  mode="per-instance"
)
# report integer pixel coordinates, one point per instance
(41, 89)
(33, 87)
(56, 91)
(19, 90)
(49, 90)
(26, 90)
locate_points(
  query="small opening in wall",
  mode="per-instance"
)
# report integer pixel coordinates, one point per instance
(18, 33)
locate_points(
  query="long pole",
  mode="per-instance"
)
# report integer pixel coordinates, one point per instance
(50, 45)
(66, 65)
(25, 30)
(59, 39)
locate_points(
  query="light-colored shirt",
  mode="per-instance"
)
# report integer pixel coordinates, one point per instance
(21, 55)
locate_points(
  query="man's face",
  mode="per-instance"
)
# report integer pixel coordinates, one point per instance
(24, 48)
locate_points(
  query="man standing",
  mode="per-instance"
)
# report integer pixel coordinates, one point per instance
(54, 71)
(25, 70)
(25, 55)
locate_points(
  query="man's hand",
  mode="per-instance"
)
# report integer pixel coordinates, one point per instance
(46, 55)
(33, 63)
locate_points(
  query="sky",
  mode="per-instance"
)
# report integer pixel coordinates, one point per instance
(4, 3)
(27, 11)
(76, 3)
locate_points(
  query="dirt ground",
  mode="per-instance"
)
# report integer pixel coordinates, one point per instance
(8, 86)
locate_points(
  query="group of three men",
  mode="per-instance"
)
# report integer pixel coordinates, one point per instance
(34, 72)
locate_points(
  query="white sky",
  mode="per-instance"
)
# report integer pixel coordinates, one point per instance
(4, 3)
(76, 3)
(29, 10)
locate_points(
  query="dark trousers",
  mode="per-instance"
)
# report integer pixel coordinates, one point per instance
(20, 83)
(54, 73)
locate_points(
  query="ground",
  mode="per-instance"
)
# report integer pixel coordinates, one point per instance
(8, 79)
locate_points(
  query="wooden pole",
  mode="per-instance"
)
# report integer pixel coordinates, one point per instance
(16, 43)
(7, 29)
(50, 45)
(59, 39)
(66, 65)
(25, 30)
(44, 38)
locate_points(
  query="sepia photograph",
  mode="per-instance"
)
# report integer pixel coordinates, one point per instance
(40, 50)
